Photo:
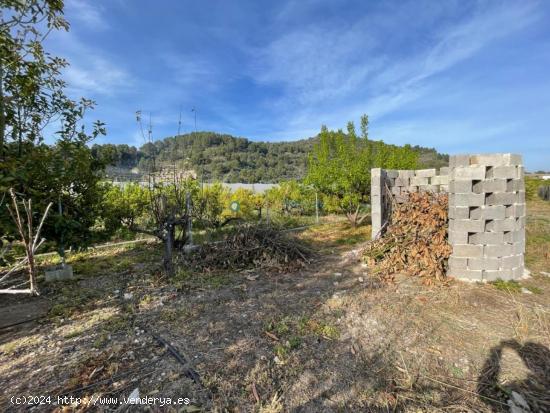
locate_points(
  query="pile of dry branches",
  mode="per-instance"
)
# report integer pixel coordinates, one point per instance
(415, 242)
(253, 245)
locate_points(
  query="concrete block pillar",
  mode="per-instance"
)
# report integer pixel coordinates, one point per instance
(486, 217)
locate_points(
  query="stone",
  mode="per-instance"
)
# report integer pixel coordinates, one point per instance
(59, 273)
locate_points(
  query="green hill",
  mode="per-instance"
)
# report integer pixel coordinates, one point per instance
(226, 158)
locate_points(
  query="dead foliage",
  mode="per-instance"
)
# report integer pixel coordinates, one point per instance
(253, 245)
(415, 242)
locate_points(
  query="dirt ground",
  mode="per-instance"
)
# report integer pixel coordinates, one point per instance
(328, 338)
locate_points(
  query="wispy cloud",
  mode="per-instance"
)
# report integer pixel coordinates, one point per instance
(324, 67)
(89, 13)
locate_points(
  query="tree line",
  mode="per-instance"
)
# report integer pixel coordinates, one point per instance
(221, 157)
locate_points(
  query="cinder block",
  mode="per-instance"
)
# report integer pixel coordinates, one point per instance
(459, 212)
(486, 238)
(515, 211)
(429, 188)
(494, 185)
(456, 262)
(511, 261)
(413, 188)
(518, 248)
(518, 272)
(396, 190)
(392, 173)
(375, 172)
(419, 181)
(488, 212)
(521, 172)
(460, 187)
(467, 225)
(520, 223)
(493, 159)
(404, 173)
(501, 198)
(498, 250)
(483, 263)
(458, 237)
(467, 251)
(467, 199)
(465, 274)
(461, 173)
(501, 225)
(514, 236)
(443, 188)
(520, 197)
(504, 274)
(506, 172)
(513, 185)
(493, 275)
(459, 160)
(400, 181)
(425, 173)
(444, 171)
(438, 180)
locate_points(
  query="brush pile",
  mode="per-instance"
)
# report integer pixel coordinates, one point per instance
(415, 242)
(253, 245)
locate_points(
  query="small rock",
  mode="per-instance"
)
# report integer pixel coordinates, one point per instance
(518, 404)
(337, 274)
(128, 296)
(525, 291)
(546, 274)
(277, 360)
(361, 279)
(134, 395)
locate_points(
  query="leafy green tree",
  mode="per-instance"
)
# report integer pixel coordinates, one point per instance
(340, 165)
(31, 98)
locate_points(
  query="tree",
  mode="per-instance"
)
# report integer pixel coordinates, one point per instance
(32, 97)
(340, 163)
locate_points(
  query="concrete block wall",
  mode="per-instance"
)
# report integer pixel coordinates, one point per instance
(486, 211)
(486, 217)
(399, 183)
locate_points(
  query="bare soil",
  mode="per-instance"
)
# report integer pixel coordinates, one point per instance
(328, 338)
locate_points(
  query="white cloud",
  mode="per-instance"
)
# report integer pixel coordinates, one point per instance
(332, 73)
(86, 12)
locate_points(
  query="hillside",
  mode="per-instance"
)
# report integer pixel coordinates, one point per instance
(226, 158)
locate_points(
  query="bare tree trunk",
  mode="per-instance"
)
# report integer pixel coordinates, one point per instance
(2, 111)
(29, 239)
(169, 249)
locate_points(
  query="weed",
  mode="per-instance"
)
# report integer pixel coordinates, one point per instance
(509, 286)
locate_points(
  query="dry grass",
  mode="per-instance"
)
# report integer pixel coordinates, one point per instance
(338, 339)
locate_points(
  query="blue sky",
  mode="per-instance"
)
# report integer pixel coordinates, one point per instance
(460, 76)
